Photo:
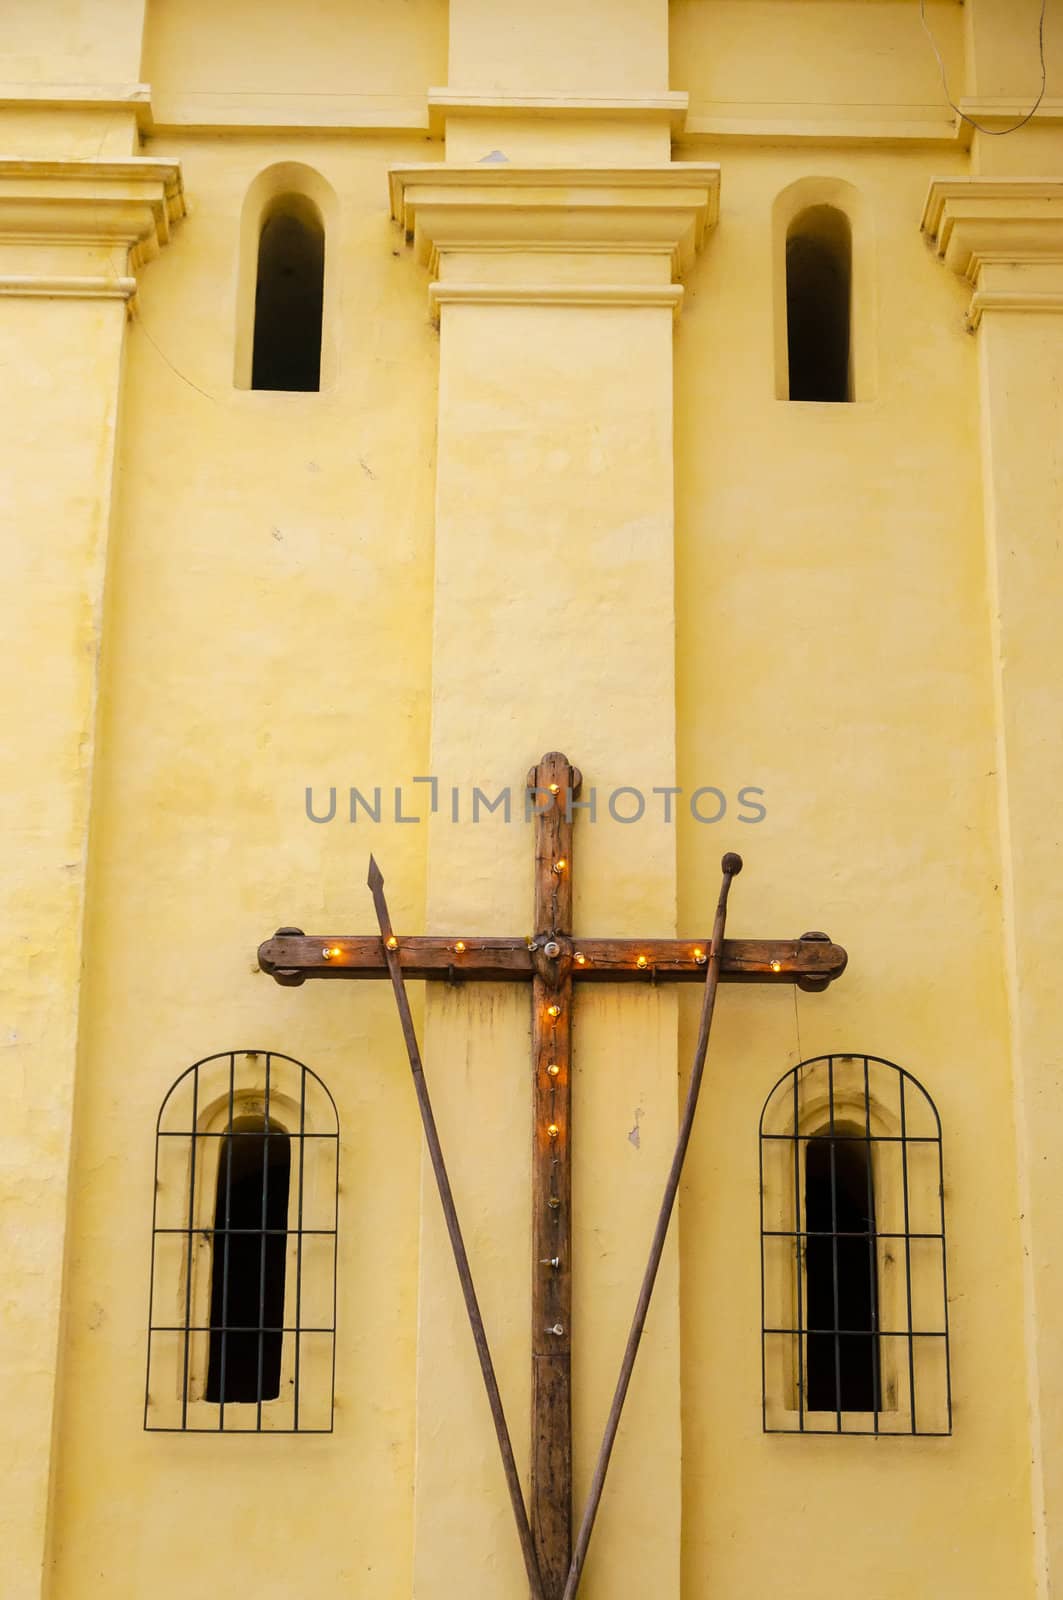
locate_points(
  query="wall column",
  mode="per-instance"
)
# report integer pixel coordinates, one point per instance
(556, 293)
(1005, 237)
(73, 234)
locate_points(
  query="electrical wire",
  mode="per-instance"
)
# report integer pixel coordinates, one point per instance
(994, 133)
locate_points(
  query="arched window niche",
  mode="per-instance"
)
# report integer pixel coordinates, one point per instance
(853, 1269)
(242, 1311)
(823, 293)
(286, 282)
(819, 270)
(249, 1261)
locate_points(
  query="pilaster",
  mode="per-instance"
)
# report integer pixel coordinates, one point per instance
(556, 289)
(73, 235)
(1005, 237)
(575, 234)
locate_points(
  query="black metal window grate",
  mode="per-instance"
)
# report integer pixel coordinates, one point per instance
(854, 1287)
(242, 1314)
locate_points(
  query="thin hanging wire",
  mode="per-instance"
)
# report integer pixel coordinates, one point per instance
(993, 133)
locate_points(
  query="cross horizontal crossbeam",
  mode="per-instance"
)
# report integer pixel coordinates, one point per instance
(812, 962)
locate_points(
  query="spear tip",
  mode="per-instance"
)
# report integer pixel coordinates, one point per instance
(376, 877)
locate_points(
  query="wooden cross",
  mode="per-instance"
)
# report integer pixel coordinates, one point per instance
(555, 963)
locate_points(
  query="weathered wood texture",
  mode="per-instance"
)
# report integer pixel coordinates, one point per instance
(292, 958)
(550, 1499)
(552, 782)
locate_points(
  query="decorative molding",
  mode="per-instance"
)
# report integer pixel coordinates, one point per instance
(42, 286)
(91, 201)
(671, 107)
(984, 229)
(626, 296)
(969, 220)
(1003, 109)
(1012, 300)
(801, 123)
(134, 97)
(252, 111)
(74, 207)
(130, 203)
(629, 210)
(216, 111)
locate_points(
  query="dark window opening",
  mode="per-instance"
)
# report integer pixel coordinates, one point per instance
(247, 1270)
(289, 296)
(818, 305)
(841, 1277)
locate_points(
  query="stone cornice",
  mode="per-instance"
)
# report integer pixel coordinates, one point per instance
(986, 228)
(264, 111)
(984, 300)
(132, 201)
(631, 210)
(134, 97)
(868, 123)
(671, 107)
(627, 296)
(128, 204)
(57, 286)
(1004, 110)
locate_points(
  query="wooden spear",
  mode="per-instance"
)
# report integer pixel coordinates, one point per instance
(732, 866)
(461, 1259)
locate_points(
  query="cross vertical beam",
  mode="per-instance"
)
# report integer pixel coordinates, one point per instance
(552, 785)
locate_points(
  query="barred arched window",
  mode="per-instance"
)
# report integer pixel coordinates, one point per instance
(853, 1270)
(242, 1317)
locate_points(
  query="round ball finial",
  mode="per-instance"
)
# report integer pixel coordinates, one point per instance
(731, 864)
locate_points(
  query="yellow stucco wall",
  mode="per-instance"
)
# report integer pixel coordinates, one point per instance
(834, 641)
(314, 512)
(69, 359)
(559, 519)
